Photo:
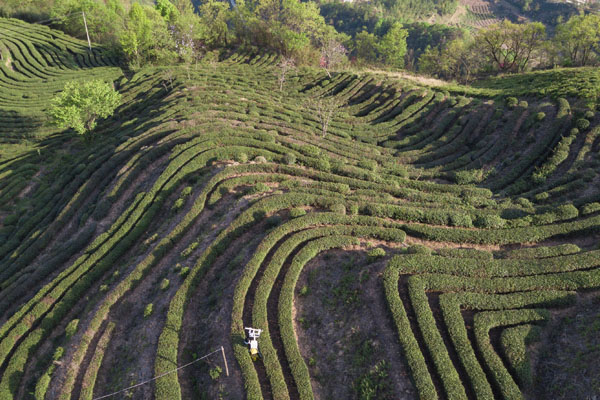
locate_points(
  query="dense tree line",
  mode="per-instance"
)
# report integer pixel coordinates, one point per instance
(509, 47)
(328, 35)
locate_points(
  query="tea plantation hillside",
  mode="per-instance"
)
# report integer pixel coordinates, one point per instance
(424, 246)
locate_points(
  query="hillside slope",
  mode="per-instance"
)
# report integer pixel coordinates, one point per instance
(212, 201)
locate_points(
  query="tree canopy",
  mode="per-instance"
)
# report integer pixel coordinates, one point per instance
(79, 105)
(579, 39)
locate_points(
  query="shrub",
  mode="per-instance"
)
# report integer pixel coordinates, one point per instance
(465, 177)
(289, 159)
(540, 116)
(273, 221)
(177, 205)
(399, 170)
(164, 285)
(148, 310)
(418, 249)
(582, 124)
(371, 165)
(590, 208)
(297, 212)
(566, 211)
(241, 157)
(462, 220)
(215, 373)
(259, 188)
(338, 208)
(512, 102)
(374, 254)
(589, 114)
(489, 221)
(71, 328)
(260, 159)
(523, 104)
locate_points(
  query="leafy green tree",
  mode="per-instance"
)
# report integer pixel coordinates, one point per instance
(392, 46)
(168, 11)
(578, 40)
(290, 27)
(214, 16)
(146, 38)
(79, 105)
(508, 46)
(365, 47)
(104, 19)
(458, 60)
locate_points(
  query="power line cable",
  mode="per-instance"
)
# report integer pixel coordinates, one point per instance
(159, 376)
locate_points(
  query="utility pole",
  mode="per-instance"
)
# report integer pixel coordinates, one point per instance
(225, 361)
(86, 30)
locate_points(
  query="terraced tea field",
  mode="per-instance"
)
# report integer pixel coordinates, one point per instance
(422, 248)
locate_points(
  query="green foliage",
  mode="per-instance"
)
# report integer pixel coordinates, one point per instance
(582, 124)
(71, 328)
(489, 221)
(418, 249)
(297, 212)
(148, 310)
(511, 102)
(577, 39)
(166, 9)
(164, 284)
(376, 253)
(374, 384)
(79, 105)
(146, 38)
(215, 373)
(392, 46)
(290, 159)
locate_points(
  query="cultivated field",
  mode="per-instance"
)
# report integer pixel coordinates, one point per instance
(427, 246)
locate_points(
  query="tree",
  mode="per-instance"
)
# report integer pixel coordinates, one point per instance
(166, 9)
(214, 31)
(457, 60)
(286, 65)
(326, 107)
(365, 47)
(104, 19)
(509, 46)
(289, 27)
(392, 46)
(185, 29)
(146, 38)
(333, 53)
(578, 40)
(79, 105)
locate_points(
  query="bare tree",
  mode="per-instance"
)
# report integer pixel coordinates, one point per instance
(325, 108)
(286, 65)
(332, 54)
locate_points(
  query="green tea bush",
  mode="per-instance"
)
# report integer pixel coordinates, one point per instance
(418, 249)
(590, 208)
(582, 124)
(376, 253)
(489, 221)
(290, 159)
(297, 212)
(512, 102)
